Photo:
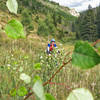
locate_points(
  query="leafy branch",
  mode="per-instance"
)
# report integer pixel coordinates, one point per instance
(51, 78)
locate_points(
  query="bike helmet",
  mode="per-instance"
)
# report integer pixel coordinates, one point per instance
(52, 40)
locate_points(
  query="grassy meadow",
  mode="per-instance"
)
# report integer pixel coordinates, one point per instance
(19, 56)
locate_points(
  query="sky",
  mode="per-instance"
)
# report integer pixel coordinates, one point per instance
(79, 5)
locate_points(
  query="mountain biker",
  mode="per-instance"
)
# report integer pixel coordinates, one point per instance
(51, 46)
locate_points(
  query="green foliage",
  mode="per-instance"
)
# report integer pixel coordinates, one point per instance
(26, 78)
(67, 16)
(37, 19)
(84, 56)
(83, 52)
(54, 16)
(80, 94)
(38, 90)
(36, 78)
(50, 23)
(63, 34)
(46, 27)
(30, 27)
(26, 17)
(13, 92)
(51, 63)
(12, 6)
(27, 20)
(14, 29)
(37, 66)
(43, 29)
(22, 91)
(98, 21)
(86, 25)
(49, 97)
(3, 6)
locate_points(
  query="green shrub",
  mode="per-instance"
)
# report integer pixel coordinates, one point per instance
(43, 29)
(27, 20)
(26, 17)
(20, 9)
(46, 27)
(37, 19)
(52, 28)
(61, 34)
(50, 24)
(3, 6)
(30, 27)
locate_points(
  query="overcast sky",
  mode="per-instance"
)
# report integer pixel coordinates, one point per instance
(79, 5)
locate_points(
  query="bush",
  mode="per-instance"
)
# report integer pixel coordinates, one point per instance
(27, 20)
(20, 9)
(50, 23)
(61, 34)
(51, 62)
(30, 27)
(52, 28)
(46, 27)
(26, 17)
(3, 6)
(37, 19)
(43, 29)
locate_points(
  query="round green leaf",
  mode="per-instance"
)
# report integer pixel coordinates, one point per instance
(37, 66)
(22, 91)
(38, 90)
(49, 97)
(36, 78)
(14, 29)
(26, 78)
(80, 94)
(84, 55)
(12, 6)
(13, 92)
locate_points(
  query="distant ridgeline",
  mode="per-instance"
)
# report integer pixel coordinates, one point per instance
(45, 18)
(87, 26)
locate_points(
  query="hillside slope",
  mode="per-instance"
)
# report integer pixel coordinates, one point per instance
(41, 17)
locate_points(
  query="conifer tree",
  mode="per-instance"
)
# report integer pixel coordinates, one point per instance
(87, 25)
(98, 21)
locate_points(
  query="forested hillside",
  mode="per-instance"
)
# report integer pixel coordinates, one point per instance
(87, 26)
(44, 18)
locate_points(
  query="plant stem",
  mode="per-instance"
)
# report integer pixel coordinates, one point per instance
(57, 72)
(44, 84)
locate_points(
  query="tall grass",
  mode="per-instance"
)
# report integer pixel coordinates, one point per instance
(17, 54)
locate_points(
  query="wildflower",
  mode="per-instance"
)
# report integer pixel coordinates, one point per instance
(8, 65)
(25, 78)
(41, 57)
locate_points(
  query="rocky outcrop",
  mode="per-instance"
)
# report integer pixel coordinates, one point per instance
(74, 12)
